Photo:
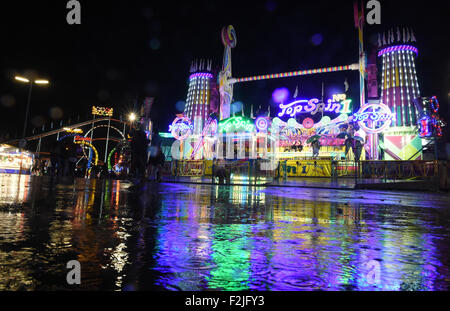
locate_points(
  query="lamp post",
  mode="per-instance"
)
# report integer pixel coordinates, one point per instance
(30, 83)
(132, 118)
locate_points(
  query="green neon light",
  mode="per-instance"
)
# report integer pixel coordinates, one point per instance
(109, 159)
(166, 135)
(236, 124)
(346, 106)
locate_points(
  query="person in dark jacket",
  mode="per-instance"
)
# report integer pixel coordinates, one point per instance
(157, 158)
(139, 144)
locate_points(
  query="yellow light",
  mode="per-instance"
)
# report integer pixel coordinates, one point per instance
(41, 82)
(132, 117)
(70, 130)
(21, 79)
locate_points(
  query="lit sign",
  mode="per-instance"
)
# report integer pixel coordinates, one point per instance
(181, 127)
(165, 135)
(374, 118)
(69, 130)
(425, 127)
(236, 124)
(102, 111)
(308, 123)
(81, 138)
(262, 124)
(398, 48)
(338, 104)
(344, 102)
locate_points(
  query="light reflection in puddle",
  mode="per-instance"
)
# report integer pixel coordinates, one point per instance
(204, 237)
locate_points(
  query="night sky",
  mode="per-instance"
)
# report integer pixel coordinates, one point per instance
(126, 50)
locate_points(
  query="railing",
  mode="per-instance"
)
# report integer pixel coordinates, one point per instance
(246, 171)
(188, 168)
(381, 170)
(250, 171)
(315, 168)
(398, 170)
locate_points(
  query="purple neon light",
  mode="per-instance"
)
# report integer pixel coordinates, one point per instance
(201, 75)
(280, 95)
(398, 48)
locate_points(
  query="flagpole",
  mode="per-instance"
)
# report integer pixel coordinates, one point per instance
(362, 64)
(359, 24)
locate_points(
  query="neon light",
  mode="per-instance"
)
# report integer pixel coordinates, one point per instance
(297, 73)
(181, 128)
(109, 159)
(280, 95)
(102, 111)
(398, 48)
(313, 106)
(165, 135)
(81, 138)
(86, 143)
(236, 124)
(211, 126)
(424, 127)
(346, 104)
(69, 130)
(374, 118)
(262, 124)
(434, 107)
(308, 123)
(201, 75)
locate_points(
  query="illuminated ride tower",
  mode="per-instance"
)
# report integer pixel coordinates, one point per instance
(198, 106)
(399, 89)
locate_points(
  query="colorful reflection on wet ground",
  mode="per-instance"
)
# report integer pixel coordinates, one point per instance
(204, 237)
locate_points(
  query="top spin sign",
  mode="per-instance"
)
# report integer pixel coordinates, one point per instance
(339, 104)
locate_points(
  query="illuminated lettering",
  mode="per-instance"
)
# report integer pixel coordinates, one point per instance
(374, 118)
(338, 104)
(236, 124)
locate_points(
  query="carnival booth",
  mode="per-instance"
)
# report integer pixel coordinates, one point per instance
(315, 136)
(307, 138)
(14, 160)
(235, 149)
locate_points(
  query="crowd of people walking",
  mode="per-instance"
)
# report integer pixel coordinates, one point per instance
(66, 160)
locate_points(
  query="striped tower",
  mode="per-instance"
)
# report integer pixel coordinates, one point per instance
(198, 99)
(399, 87)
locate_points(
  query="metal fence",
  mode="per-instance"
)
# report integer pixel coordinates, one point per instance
(252, 171)
(226, 171)
(188, 168)
(398, 170)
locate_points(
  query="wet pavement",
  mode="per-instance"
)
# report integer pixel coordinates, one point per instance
(174, 236)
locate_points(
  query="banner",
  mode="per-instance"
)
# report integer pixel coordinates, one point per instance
(306, 168)
(402, 147)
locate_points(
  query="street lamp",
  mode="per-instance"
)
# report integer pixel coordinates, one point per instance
(132, 117)
(30, 82)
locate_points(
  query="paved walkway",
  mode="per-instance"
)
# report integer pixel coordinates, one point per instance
(322, 183)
